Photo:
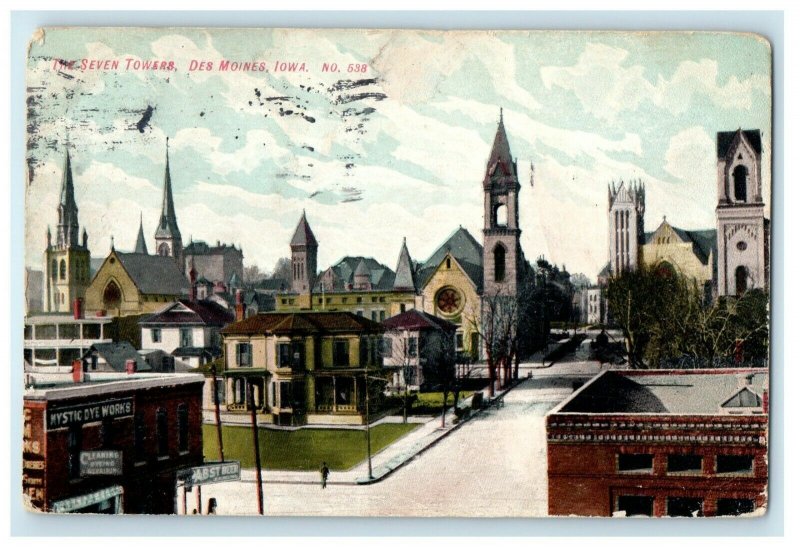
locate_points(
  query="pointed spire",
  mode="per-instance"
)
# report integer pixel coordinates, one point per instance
(67, 233)
(303, 236)
(85, 238)
(112, 242)
(141, 244)
(168, 223)
(404, 277)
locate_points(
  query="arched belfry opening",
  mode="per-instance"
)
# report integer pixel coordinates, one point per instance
(740, 183)
(501, 215)
(499, 263)
(741, 280)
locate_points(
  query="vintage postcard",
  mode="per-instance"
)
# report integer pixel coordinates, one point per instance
(397, 273)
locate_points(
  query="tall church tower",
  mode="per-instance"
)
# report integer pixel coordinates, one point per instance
(625, 225)
(168, 236)
(742, 246)
(304, 257)
(66, 262)
(502, 253)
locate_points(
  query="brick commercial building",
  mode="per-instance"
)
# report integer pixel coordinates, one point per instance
(660, 443)
(109, 442)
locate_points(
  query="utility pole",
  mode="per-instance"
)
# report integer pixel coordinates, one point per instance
(259, 487)
(216, 413)
(369, 446)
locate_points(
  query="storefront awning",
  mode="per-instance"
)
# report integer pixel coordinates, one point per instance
(71, 505)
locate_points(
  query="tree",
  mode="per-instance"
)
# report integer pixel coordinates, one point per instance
(401, 351)
(252, 275)
(283, 270)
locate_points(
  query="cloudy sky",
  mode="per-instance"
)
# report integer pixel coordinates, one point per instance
(398, 150)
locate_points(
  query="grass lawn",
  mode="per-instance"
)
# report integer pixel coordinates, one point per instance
(301, 450)
(431, 402)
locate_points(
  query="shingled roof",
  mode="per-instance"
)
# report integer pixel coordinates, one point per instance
(417, 320)
(303, 236)
(704, 242)
(303, 323)
(186, 312)
(381, 278)
(465, 249)
(154, 274)
(725, 139)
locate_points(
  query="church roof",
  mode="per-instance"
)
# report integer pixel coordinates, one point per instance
(303, 234)
(725, 139)
(404, 276)
(154, 274)
(168, 223)
(500, 163)
(381, 278)
(465, 249)
(141, 244)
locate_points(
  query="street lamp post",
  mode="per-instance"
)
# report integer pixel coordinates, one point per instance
(366, 408)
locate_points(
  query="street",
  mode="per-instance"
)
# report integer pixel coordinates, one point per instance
(493, 466)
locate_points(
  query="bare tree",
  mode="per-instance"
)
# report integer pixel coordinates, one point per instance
(252, 274)
(401, 351)
(282, 270)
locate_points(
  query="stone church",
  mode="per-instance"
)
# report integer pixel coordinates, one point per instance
(726, 261)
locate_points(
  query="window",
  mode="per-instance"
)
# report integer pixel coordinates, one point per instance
(358, 300)
(374, 299)
(54, 268)
(374, 315)
(412, 347)
(341, 353)
(387, 347)
(382, 316)
(74, 441)
(183, 428)
(684, 507)
(684, 463)
(155, 335)
(111, 295)
(734, 464)
(363, 352)
(402, 308)
(186, 338)
(733, 507)
(447, 263)
(635, 463)
(499, 263)
(139, 434)
(741, 280)
(344, 300)
(360, 313)
(283, 354)
(221, 391)
(243, 355)
(162, 432)
(459, 340)
(740, 183)
(286, 394)
(62, 270)
(501, 215)
(635, 505)
(298, 355)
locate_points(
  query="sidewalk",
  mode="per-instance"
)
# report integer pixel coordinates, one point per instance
(385, 462)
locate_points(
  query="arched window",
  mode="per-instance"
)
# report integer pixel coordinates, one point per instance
(499, 263)
(163, 249)
(62, 269)
(501, 215)
(740, 183)
(741, 280)
(112, 295)
(54, 268)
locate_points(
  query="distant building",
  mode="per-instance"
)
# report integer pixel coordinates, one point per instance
(168, 235)
(414, 341)
(595, 305)
(660, 443)
(188, 330)
(306, 367)
(221, 262)
(57, 339)
(134, 284)
(150, 425)
(113, 357)
(34, 285)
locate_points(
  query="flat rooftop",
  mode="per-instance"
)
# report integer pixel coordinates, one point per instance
(702, 391)
(59, 386)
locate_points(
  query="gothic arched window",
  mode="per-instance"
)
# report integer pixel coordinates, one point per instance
(112, 295)
(163, 250)
(54, 268)
(501, 215)
(499, 263)
(741, 280)
(62, 269)
(740, 183)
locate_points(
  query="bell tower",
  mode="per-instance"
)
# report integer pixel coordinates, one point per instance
(168, 235)
(742, 244)
(501, 249)
(66, 261)
(304, 257)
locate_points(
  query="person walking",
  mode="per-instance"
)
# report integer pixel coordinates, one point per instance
(324, 472)
(212, 506)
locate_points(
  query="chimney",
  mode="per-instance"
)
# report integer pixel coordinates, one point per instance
(239, 305)
(77, 308)
(130, 366)
(77, 371)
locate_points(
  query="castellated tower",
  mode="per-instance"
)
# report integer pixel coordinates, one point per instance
(625, 225)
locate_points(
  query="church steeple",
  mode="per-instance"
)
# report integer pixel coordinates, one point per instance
(141, 244)
(404, 278)
(168, 236)
(501, 166)
(67, 232)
